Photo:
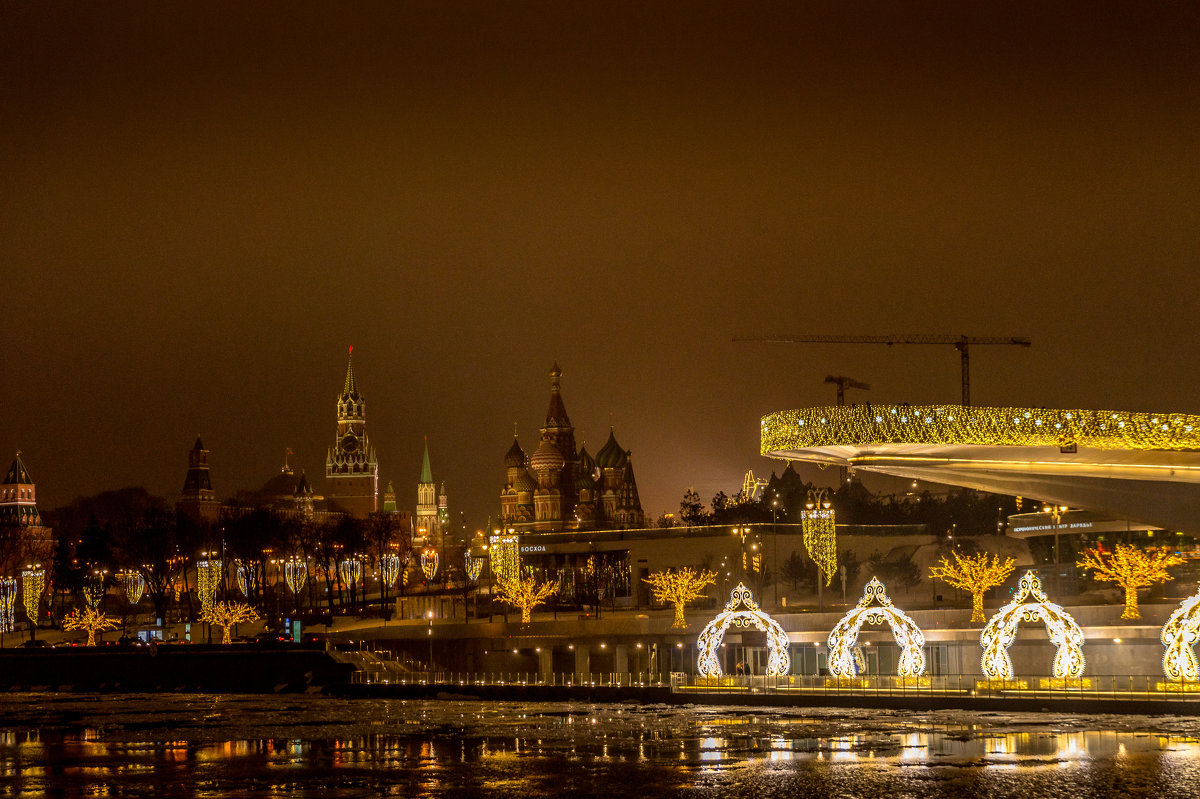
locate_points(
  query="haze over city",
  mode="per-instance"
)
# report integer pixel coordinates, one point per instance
(204, 207)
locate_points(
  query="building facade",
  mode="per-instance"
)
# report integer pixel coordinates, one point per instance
(562, 488)
(351, 466)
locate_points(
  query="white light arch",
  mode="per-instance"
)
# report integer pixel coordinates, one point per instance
(906, 632)
(1179, 635)
(779, 662)
(1061, 628)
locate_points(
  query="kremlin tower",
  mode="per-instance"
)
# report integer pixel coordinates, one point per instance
(351, 468)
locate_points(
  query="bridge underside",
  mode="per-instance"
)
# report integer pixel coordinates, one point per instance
(1161, 488)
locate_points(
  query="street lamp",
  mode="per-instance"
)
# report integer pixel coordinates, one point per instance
(429, 616)
(775, 535)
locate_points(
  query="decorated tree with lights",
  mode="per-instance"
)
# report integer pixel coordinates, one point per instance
(525, 594)
(89, 619)
(1131, 568)
(679, 588)
(227, 614)
(975, 573)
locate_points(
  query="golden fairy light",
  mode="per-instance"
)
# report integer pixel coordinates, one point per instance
(526, 594)
(974, 573)
(208, 581)
(1061, 628)
(33, 582)
(89, 619)
(908, 635)
(350, 570)
(820, 533)
(8, 601)
(858, 425)
(1131, 568)
(227, 614)
(389, 569)
(1179, 636)
(246, 572)
(295, 572)
(473, 566)
(429, 562)
(742, 611)
(134, 585)
(679, 588)
(505, 554)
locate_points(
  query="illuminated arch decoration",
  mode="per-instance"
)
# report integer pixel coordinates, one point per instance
(1179, 636)
(1061, 628)
(742, 611)
(246, 573)
(906, 632)
(350, 570)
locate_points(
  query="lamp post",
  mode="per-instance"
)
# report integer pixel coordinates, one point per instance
(817, 521)
(429, 617)
(775, 536)
(1056, 512)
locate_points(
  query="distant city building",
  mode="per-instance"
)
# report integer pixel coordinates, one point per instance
(432, 508)
(18, 509)
(351, 467)
(560, 488)
(198, 499)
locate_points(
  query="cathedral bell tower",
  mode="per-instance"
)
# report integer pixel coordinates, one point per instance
(351, 468)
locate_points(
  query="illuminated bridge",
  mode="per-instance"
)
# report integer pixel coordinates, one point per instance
(1144, 467)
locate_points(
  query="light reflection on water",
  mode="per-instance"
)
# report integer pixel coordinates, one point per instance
(313, 746)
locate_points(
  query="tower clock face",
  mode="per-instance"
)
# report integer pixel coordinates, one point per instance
(349, 442)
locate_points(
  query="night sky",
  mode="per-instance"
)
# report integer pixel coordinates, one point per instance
(203, 205)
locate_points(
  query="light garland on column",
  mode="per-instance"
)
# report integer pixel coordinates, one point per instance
(134, 586)
(473, 566)
(8, 600)
(350, 570)
(820, 533)
(33, 582)
(1061, 628)
(859, 425)
(906, 632)
(742, 611)
(208, 581)
(389, 569)
(505, 556)
(246, 573)
(295, 573)
(429, 562)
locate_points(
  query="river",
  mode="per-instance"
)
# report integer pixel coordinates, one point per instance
(168, 745)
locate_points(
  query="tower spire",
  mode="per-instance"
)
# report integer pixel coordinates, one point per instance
(426, 472)
(351, 387)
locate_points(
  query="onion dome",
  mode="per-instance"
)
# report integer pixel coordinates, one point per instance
(515, 458)
(524, 481)
(547, 458)
(556, 413)
(611, 456)
(584, 480)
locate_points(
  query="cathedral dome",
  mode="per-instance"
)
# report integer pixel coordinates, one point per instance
(524, 481)
(516, 456)
(611, 456)
(547, 457)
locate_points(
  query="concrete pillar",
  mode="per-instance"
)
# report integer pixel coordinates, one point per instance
(583, 660)
(621, 659)
(546, 661)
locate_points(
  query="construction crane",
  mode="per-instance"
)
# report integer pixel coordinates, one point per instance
(844, 383)
(960, 343)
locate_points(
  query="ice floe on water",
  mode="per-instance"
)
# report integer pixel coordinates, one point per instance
(238, 745)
